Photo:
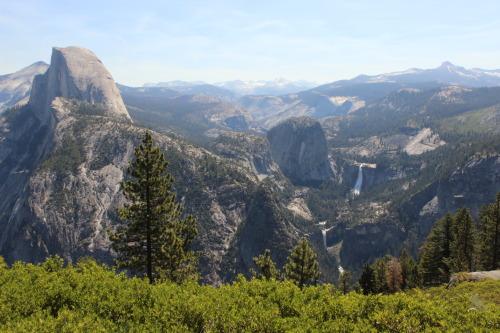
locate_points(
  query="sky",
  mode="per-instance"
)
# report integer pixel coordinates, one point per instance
(214, 41)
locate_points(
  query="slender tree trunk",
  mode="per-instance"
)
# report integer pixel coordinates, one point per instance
(495, 243)
(148, 231)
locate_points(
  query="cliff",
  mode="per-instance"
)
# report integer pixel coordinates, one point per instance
(472, 185)
(298, 146)
(76, 73)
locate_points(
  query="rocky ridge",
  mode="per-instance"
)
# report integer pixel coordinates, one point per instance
(17, 86)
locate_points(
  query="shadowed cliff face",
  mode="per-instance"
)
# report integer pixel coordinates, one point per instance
(298, 146)
(76, 73)
(266, 228)
(472, 185)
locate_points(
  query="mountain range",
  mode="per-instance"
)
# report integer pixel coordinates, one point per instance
(361, 167)
(240, 88)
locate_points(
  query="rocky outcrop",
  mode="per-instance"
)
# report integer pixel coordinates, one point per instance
(17, 86)
(473, 277)
(76, 73)
(475, 183)
(251, 150)
(298, 146)
(265, 228)
(424, 141)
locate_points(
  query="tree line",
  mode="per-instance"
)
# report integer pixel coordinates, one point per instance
(455, 244)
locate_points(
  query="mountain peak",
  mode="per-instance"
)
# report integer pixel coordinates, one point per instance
(447, 64)
(76, 72)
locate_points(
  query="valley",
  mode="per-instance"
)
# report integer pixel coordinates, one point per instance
(362, 167)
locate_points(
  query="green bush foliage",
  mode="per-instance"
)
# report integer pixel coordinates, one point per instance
(89, 297)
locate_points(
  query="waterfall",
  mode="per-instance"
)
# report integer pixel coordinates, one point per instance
(359, 182)
(341, 269)
(323, 232)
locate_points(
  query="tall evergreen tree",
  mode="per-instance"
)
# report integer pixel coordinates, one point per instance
(462, 246)
(266, 266)
(488, 249)
(301, 266)
(367, 280)
(436, 252)
(380, 271)
(409, 271)
(156, 240)
(344, 279)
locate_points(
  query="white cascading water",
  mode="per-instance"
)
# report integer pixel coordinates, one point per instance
(359, 182)
(323, 232)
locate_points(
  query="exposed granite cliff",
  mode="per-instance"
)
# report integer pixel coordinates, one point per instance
(472, 185)
(298, 146)
(265, 228)
(250, 150)
(76, 72)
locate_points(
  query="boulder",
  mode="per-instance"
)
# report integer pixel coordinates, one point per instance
(473, 277)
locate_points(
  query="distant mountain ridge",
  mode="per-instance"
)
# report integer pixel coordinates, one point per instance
(16, 86)
(447, 74)
(346, 96)
(239, 87)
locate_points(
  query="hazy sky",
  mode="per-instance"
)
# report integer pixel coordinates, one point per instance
(321, 41)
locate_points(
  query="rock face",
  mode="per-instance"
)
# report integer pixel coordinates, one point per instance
(76, 73)
(250, 150)
(365, 242)
(17, 86)
(298, 146)
(265, 228)
(472, 185)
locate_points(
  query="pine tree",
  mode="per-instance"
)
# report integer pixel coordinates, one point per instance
(266, 266)
(436, 252)
(301, 266)
(380, 272)
(488, 248)
(344, 279)
(155, 241)
(462, 246)
(367, 280)
(409, 271)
